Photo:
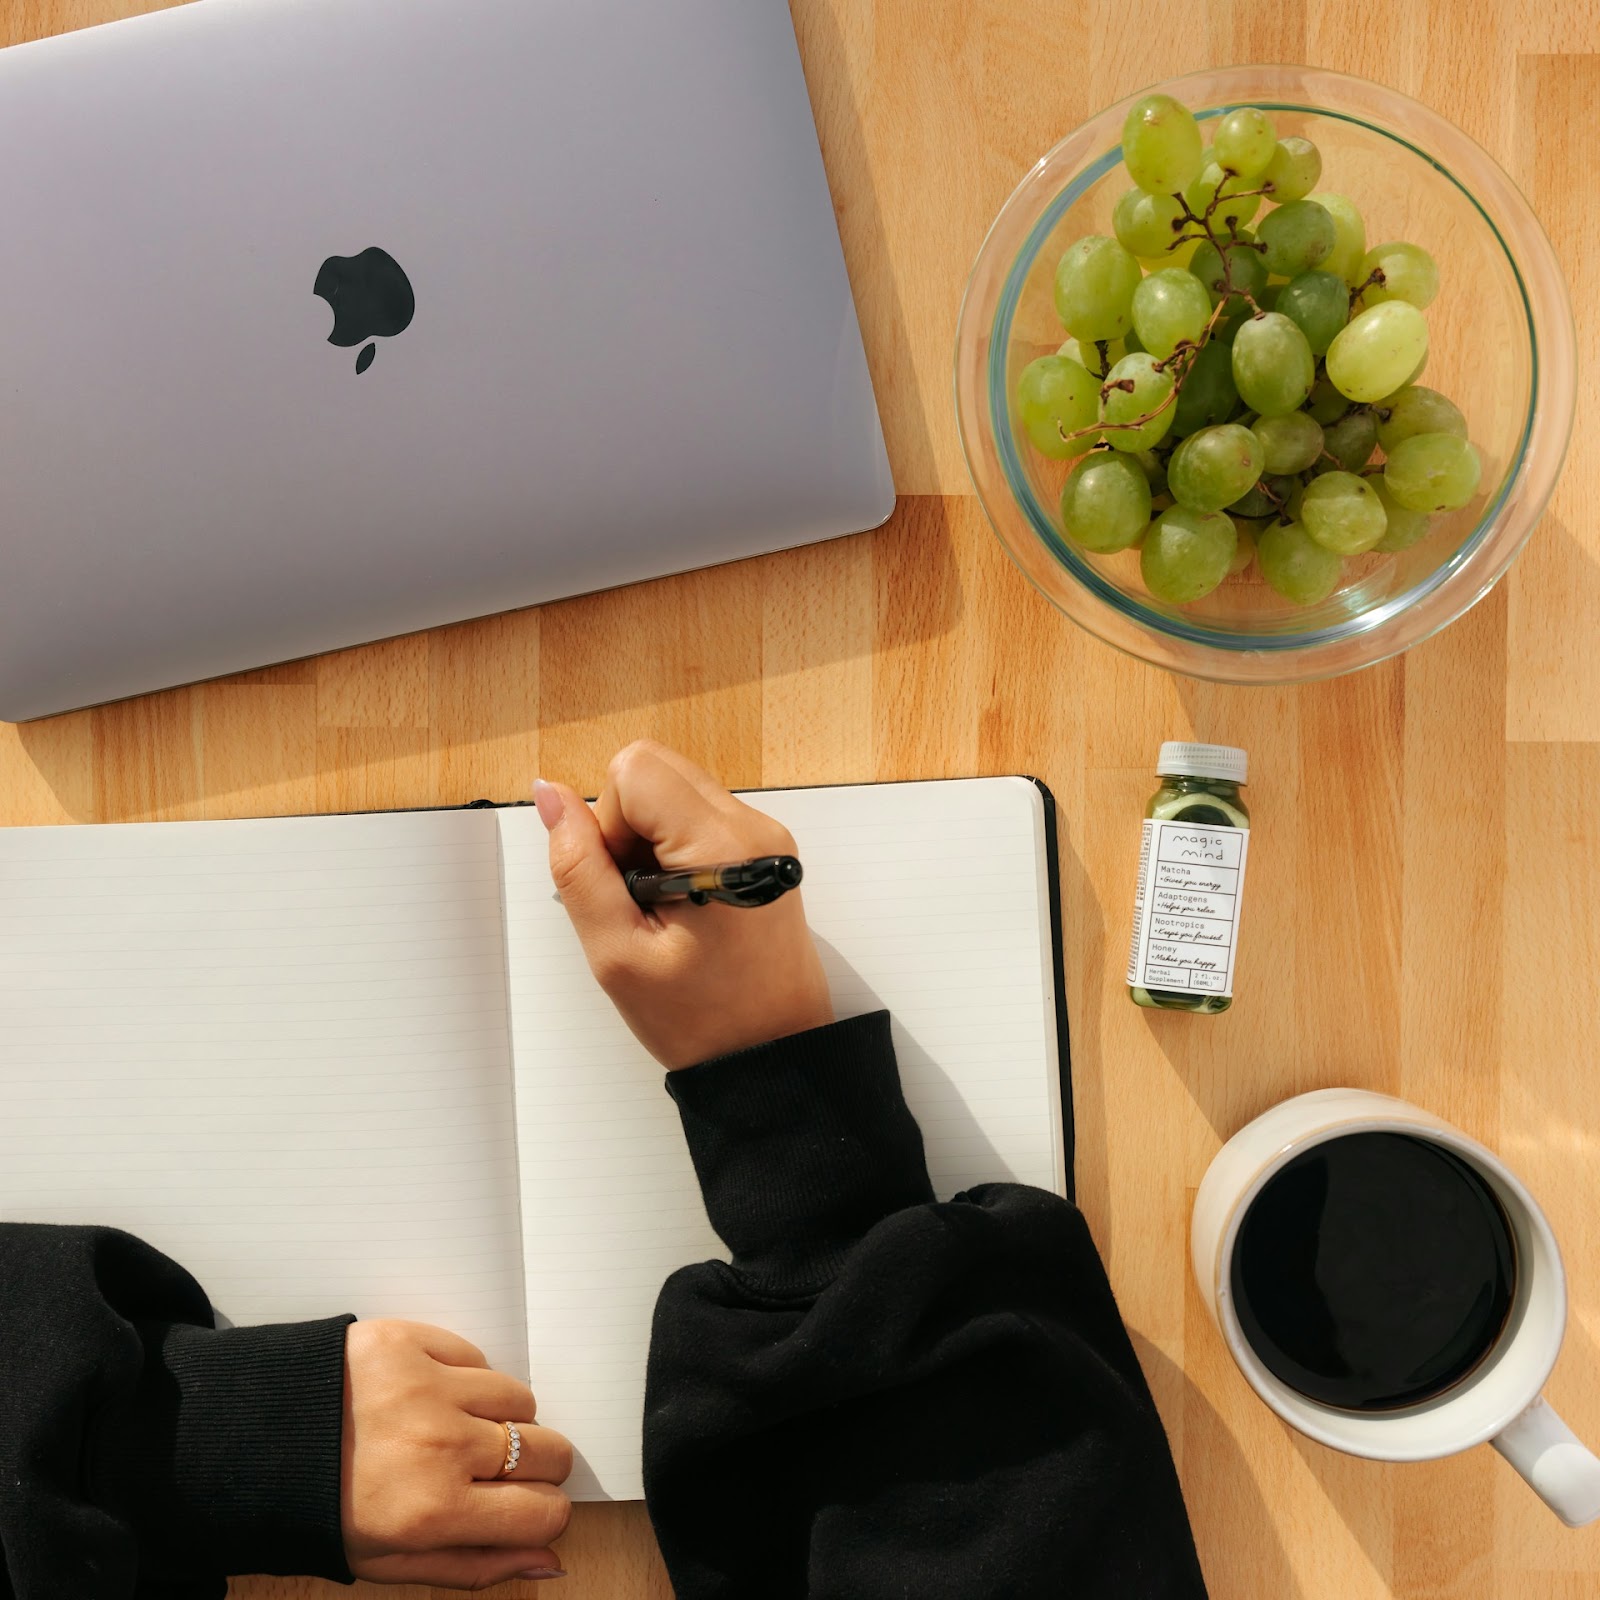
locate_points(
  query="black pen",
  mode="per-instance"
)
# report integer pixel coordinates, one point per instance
(736, 883)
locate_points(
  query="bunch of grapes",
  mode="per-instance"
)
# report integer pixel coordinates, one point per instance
(1239, 393)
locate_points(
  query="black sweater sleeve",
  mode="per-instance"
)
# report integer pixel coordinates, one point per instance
(883, 1395)
(143, 1451)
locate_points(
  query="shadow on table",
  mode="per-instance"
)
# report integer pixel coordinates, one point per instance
(1240, 1551)
(1229, 1074)
(1459, 1493)
(644, 659)
(1083, 939)
(673, 642)
(242, 745)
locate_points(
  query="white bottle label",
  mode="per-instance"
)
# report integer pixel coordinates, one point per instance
(1186, 913)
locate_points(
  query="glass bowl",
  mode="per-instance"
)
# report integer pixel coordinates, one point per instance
(1501, 345)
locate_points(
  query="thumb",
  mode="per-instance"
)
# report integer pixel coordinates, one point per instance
(587, 879)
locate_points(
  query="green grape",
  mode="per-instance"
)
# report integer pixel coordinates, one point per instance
(1170, 307)
(1095, 281)
(1257, 502)
(1238, 312)
(1272, 365)
(1229, 213)
(1350, 238)
(1208, 395)
(1056, 396)
(1236, 265)
(1343, 513)
(1318, 304)
(1268, 298)
(1154, 469)
(1130, 343)
(1186, 554)
(1213, 467)
(1409, 274)
(1372, 357)
(1161, 144)
(1297, 236)
(1415, 409)
(1177, 256)
(1411, 377)
(1326, 404)
(1244, 549)
(1297, 566)
(1352, 439)
(1087, 354)
(1293, 170)
(1147, 224)
(1432, 471)
(1106, 502)
(1148, 394)
(1245, 142)
(1289, 443)
(1405, 527)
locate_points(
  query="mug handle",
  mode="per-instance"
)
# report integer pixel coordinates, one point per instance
(1560, 1469)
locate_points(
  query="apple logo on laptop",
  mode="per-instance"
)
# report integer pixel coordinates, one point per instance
(371, 299)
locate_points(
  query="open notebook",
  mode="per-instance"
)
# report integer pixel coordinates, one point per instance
(357, 1063)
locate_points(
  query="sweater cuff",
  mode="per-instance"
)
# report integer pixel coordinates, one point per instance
(802, 1146)
(231, 1459)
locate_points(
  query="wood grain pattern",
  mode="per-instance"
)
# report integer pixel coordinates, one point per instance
(1425, 879)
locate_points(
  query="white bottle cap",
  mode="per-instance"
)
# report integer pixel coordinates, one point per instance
(1219, 761)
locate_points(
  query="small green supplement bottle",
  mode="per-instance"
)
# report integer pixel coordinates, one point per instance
(1191, 881)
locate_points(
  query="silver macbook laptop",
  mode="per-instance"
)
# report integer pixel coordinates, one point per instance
(326, 320)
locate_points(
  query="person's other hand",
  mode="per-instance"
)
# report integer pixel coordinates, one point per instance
(692, 982)
(420, 1499)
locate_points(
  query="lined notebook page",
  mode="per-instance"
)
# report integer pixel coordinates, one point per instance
(276, 1050)
(963, 958)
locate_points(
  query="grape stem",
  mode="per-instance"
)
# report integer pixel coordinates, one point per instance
(1239, 194)
(1126, 386)
(1189, 215)
(1375, 277)
(1188, 350)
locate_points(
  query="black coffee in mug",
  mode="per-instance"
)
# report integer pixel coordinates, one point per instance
(1374, 1271)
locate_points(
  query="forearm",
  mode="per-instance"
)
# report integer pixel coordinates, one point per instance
(886, 1395)
(143, 1451)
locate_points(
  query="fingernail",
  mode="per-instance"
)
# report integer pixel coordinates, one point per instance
(541, 1572)
(548, 799)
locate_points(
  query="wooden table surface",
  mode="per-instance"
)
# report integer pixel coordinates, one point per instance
(1424, 911)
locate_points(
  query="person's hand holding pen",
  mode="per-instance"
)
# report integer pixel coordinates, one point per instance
(692, 982)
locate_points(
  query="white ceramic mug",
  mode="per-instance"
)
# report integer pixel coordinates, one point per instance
(1500, 1399)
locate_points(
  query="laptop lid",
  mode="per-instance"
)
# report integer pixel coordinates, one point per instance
(327, 320)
